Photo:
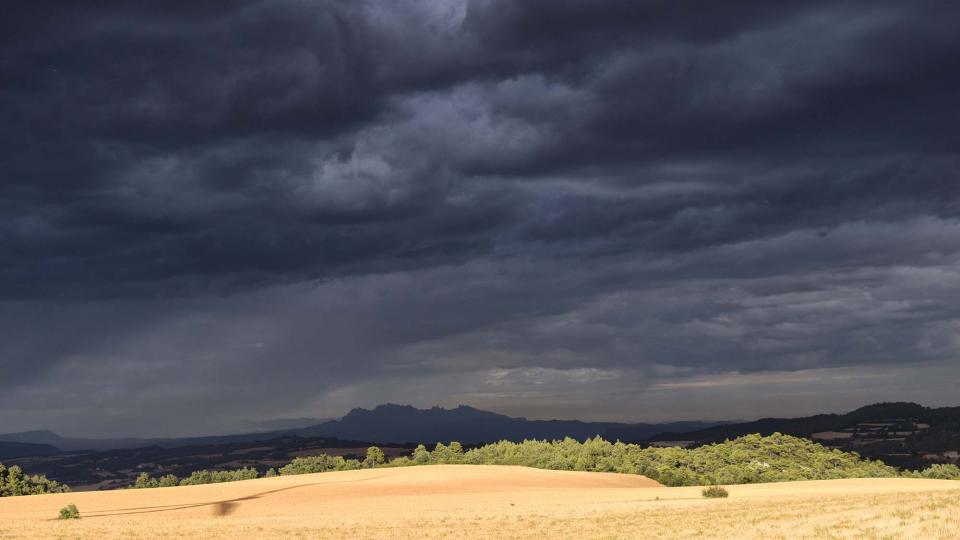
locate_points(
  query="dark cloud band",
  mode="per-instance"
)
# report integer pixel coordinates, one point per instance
(634, 188)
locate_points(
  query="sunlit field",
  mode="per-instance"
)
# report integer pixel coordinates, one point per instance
(465, 501)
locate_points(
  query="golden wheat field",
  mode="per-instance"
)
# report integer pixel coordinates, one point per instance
(474, 501)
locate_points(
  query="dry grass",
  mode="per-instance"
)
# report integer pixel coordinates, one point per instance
(450, 501)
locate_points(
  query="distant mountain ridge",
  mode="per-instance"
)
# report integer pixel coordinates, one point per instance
(391, 423)
(49, 438)
(902, 434)
(807, 425)
(10, 450)
(404, 423)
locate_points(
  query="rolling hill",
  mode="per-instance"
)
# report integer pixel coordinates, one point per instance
(9, 450)
(807, 425)
(477, 501)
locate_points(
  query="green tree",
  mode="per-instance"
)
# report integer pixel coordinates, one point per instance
(320, 463)
(441, 454)
(421, 455)
(144, 481)
(447, 454)
(216, 477)
(168, 480)
(941, 472)
(375, 457)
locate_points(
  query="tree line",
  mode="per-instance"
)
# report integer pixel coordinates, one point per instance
(13, 481)
(745, 460)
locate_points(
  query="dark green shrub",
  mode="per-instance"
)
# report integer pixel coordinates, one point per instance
(69, 512)
(715, 492)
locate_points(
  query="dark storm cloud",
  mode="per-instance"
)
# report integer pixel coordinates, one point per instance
(513, 201)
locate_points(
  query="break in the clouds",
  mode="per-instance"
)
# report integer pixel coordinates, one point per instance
(215, 213)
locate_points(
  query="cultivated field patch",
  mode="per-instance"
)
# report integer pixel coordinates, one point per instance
(494, 501)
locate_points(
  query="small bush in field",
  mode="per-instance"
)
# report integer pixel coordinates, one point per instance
(715, 492)
(69, 512)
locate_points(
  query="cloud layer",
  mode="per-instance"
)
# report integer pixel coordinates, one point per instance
(609, 209)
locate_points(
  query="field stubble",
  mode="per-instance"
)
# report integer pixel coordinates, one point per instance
(463, 501)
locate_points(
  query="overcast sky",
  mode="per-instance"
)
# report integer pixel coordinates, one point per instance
(217, 212)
